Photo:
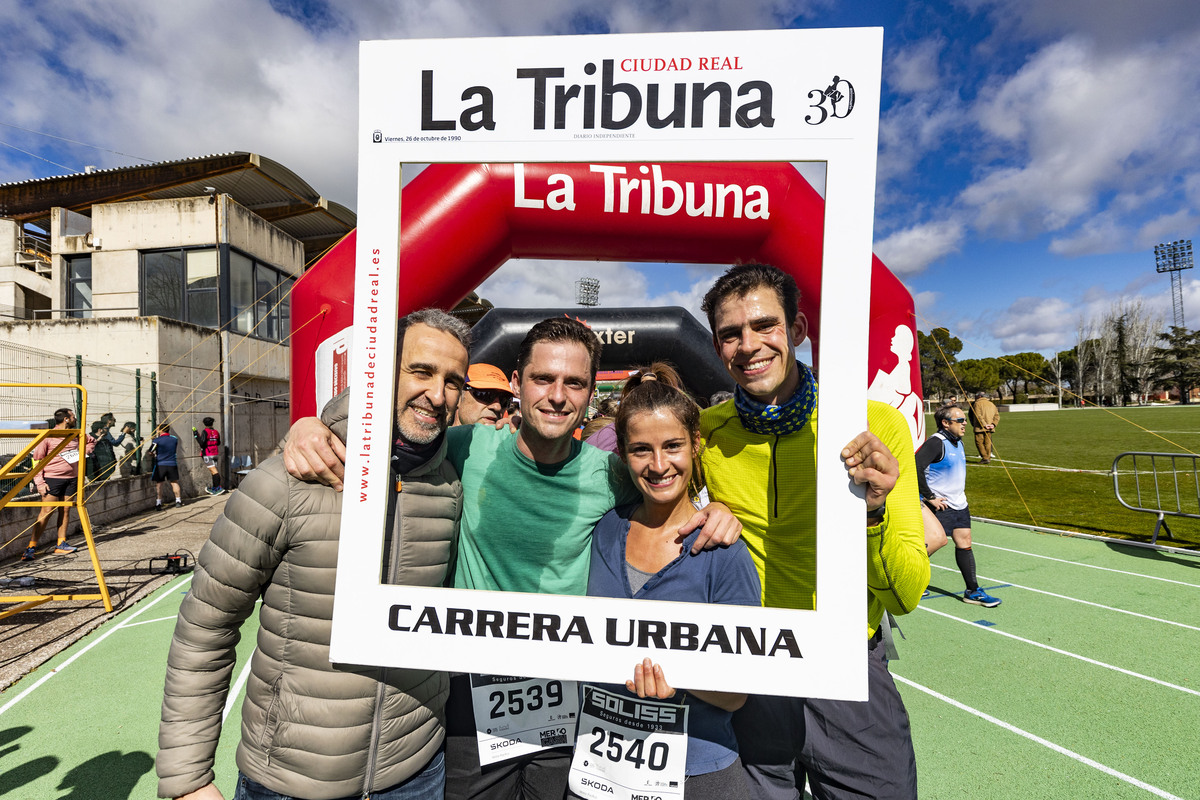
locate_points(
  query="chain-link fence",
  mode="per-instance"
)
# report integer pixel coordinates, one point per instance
(122, 407)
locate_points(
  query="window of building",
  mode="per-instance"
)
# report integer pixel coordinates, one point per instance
(258, 298)
(285, 309)
(162, 284)
(79, 287)
(202, 306)
(183, 284)
(241, 293)
(266, 314)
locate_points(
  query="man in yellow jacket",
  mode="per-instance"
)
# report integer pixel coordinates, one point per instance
(760, 460)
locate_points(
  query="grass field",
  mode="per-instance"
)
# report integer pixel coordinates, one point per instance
(1053, 469)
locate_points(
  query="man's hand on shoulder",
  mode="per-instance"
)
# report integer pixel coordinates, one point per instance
(720, 527)
(313, 453)
(510, 423)
(206, 792)
(871, 464)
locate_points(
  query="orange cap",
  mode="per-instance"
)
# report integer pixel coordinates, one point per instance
(485, 376)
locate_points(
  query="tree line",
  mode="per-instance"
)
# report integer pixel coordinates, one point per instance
(1119, 358)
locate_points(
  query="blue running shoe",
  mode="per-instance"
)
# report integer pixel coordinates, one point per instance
(30, 552)
(979, 597)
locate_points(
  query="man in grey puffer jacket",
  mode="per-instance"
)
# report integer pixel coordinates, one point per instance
(310, 729)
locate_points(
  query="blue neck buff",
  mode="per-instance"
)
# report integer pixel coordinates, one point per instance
(790, 417)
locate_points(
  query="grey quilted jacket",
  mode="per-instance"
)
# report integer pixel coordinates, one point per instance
(309, 729)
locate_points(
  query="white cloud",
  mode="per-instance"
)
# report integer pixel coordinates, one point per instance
(911, 129)
(1096, 138)
(1112, 22)
(925, 306)
(914, 69)
(536, 283)
(910, 251)
(814, 172)
(1191, 300)
(1035, 323)
(1168, 227)
(168, 80)
(1191, 184)
(1079, 122)
(430, 18)
(1048, 324)
(1102, 233)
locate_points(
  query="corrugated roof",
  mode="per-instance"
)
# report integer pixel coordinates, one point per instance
(262, 185)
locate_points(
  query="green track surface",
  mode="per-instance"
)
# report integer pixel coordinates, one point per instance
(85, 725)
(90, 730)
(990, 660)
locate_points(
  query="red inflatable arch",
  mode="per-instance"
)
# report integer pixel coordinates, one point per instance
(462, 221)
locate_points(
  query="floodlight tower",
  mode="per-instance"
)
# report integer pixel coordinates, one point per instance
(1173, 257)
(587, 291)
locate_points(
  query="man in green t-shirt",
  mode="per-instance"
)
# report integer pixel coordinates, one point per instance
(530, 502)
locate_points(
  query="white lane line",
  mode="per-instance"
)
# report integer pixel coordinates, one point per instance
(1009, 464)
(165, 592)
(1068, 653)
(235, 691)
(1073, 599)
(1089, 566)
(1082, 759)
(1015, 466)
(1130, 471)
(173, 616)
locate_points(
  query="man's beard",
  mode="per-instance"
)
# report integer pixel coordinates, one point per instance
(417, 431)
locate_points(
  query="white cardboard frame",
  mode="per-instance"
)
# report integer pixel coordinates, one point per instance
(798, 65)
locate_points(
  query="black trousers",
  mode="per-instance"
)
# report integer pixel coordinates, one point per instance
(540, 776)
(846, 749)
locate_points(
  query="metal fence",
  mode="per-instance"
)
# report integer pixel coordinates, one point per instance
(128, 395)
(1164, 484)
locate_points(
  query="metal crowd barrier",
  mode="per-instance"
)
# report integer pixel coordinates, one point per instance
(1164, 493)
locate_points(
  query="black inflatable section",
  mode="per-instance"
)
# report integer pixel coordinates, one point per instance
(629, 337)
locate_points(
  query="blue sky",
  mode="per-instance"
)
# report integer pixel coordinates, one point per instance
(1031, 153)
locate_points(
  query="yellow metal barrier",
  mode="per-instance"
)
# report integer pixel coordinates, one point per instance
(77, 501)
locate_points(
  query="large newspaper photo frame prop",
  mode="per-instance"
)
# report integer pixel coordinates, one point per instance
(798, 95)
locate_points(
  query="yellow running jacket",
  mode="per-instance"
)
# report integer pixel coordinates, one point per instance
(769, 482)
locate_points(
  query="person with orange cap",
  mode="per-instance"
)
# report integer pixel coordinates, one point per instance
(486, 398)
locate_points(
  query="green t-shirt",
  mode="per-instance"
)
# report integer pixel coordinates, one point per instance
(527, 527)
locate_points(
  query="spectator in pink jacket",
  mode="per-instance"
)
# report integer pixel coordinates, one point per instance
(57, 480)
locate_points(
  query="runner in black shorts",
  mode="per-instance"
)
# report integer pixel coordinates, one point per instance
(57, 480)
(166, 472)
(58, 488)
(942, 474)
(165, 448)
(952, 518)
